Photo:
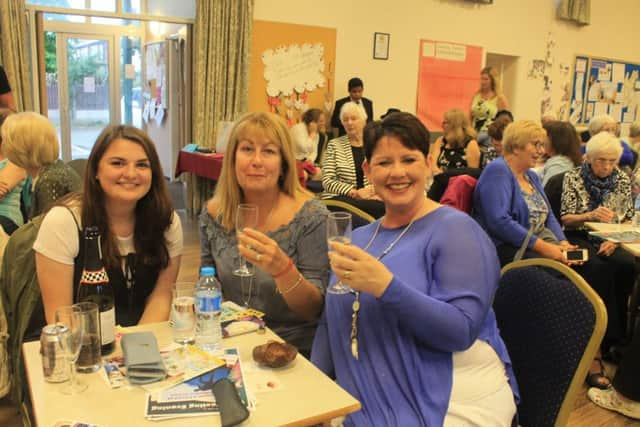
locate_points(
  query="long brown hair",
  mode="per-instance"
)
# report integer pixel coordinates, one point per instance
(564, 140)
(153, 213)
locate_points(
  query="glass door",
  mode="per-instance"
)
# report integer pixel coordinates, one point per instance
(80, 89)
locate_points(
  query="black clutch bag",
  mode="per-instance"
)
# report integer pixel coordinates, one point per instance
(232, 410)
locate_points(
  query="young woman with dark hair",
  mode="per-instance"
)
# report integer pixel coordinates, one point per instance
(126, 197)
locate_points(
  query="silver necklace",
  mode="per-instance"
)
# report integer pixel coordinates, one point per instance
(355, 307)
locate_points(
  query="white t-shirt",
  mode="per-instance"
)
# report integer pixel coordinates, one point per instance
(306, 146)
(58, 236)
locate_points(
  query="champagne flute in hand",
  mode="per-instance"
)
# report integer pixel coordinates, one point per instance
(70, 333)
(246, 217)
(339, 227)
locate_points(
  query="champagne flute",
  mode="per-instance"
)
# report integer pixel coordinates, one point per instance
(246, 217)
(339, 228)
(70, 332)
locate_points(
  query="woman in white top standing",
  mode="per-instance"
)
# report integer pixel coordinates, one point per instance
(126, 197)
(306, 136)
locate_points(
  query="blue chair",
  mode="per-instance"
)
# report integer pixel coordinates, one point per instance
(552, 323)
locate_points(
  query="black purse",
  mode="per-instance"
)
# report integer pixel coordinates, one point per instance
(232, 410)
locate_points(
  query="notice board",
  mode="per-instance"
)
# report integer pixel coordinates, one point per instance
(448, 77)
(292, 68)
(605, 86)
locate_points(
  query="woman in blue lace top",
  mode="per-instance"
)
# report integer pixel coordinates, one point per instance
(288, 246)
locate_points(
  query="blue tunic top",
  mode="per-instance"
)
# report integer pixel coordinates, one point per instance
(438, 302)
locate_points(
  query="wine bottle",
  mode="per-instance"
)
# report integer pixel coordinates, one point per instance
(95, 287)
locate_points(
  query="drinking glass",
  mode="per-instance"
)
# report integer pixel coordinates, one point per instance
(339, 228)
(246, 217)
(183, 315)
(70, 333)
(619, 205)
(90, 350)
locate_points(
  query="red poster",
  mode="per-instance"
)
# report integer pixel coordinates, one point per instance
(448, 77)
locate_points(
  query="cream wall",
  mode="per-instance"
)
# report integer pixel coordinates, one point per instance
(508, 27)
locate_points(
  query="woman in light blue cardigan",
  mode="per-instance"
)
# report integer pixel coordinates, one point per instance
(509, 199)
(510, 204)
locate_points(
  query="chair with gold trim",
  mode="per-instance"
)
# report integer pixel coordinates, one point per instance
(359, 217)
(552, 323)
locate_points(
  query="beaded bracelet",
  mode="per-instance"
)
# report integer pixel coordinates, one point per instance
(295, 285)
(285, 270)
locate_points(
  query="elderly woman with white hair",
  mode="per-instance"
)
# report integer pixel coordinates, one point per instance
(598, 191)
(342, 175)
(606, 123)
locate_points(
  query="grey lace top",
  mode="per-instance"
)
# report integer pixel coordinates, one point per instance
(55, 181)
(303, 239)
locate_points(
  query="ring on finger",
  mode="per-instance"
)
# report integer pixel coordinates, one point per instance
(347, 274)
(259, 257)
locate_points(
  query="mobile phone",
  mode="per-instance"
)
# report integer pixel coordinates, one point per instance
(576, 255)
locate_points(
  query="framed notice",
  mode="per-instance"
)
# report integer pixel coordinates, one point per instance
(381, 45)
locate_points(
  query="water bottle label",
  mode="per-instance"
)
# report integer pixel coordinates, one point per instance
(209, 303)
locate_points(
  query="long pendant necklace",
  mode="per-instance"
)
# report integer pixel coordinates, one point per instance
(355, 307)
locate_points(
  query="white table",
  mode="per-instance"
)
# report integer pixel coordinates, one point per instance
(306, 397)
(633, 249)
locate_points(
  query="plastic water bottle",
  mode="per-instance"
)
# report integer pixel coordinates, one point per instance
(208, 298)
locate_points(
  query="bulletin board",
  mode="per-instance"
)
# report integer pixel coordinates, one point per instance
(292, 68)
(448, 77)
(605, 86)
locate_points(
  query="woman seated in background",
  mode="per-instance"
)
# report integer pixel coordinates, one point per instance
(30, 141)
(457, 147)
(11, 182)
(562, 149)
(495, 131)
(306, 136)
(342, 175)
(125, 195)
(289, 243)
(486, 103)
(599, 191)
(380, 342)
(511, 205)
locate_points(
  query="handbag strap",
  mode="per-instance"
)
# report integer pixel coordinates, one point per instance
(518, 256)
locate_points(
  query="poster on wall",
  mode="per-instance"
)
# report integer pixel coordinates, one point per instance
(156, 72)
(448, 77)
(605, 86)
(292, 69)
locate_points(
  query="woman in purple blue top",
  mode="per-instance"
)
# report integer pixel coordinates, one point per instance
(416, 342)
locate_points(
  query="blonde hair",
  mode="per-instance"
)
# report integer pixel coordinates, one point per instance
(493, 76)
(518, 134)
(228, 194)
(459, 127)
(29, 140)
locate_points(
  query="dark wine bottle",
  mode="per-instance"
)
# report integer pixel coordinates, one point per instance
(95, 287)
